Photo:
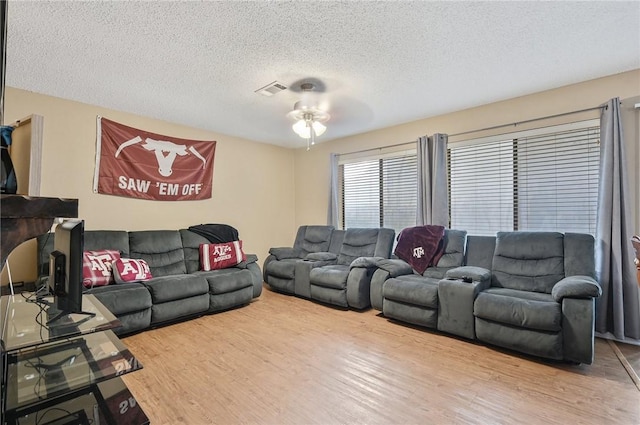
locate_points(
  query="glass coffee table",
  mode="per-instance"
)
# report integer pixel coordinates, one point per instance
(65, 372)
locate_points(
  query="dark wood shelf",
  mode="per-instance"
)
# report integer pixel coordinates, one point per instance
(25, 217)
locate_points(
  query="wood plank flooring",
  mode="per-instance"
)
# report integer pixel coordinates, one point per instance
(285, 360)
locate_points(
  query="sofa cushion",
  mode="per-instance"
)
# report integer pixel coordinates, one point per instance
(131, 270)
(284, 268)
(412, 289)
(358, 243)
(96, 267)
(454, 247)
(528, 261)
(179, 309)
(315, 239)
(125, 298)
(436, 272)
(169, 288)
(524, 309)
(161, 249)
(221, 256)
(332, 276)
(284, 253)
(226, 280)
(191, 246)
(321, 256)
(107, 239)
(529, 341)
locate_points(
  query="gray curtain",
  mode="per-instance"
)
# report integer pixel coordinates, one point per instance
(433, 197)
(618, 309)
(332, 216)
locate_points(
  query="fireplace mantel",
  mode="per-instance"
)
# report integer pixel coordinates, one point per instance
(25, 217)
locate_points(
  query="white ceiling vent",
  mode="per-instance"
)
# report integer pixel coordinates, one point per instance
(271, 89)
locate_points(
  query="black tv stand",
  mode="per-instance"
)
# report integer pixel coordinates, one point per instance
(60, 313)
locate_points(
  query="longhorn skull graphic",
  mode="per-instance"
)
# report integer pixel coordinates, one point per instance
(166, 152)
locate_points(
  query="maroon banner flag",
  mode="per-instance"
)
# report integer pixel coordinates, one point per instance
(139, 164)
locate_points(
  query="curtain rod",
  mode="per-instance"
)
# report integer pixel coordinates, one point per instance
(380, 148)
(528, 121)
(484, 129)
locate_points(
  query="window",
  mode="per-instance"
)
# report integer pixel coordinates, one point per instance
(544, 180)
(379, 192)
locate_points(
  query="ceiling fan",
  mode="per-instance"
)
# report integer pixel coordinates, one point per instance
(309, 117)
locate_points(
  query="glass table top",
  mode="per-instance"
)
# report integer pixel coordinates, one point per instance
(23, 321)
(109, 403)
(49, 371)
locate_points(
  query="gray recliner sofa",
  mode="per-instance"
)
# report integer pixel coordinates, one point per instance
(346, 282)
(178, 290)
(413, 298)
(390, 269)
(532, 292)
(286, 269)
(541, 299)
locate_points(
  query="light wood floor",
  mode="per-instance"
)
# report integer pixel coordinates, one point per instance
(284, 360)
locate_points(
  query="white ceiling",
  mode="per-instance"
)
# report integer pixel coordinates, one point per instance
(378, 63)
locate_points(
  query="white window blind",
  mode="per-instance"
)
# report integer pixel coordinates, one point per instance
(379, 192)
(361, 194)
(543, 180)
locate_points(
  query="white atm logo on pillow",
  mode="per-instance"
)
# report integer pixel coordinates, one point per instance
(221, 252)
(140, 269)
(101, 263)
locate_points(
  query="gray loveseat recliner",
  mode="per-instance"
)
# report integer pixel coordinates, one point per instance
(286, 269)
(532, 292)
(347, 281)
(420, 304)
(178, 288)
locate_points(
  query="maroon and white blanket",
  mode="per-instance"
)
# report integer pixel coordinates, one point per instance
(421, 246)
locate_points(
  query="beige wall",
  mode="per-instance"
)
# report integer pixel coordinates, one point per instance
(266, 191)
(253, 186)
(312, 167)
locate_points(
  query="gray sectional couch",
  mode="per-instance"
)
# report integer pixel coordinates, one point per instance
(327, 265)
(177, 290)
(532, 292)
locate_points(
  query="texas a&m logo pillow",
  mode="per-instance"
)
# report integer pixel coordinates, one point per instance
(221, 255)
(96, 267)
(130, 270)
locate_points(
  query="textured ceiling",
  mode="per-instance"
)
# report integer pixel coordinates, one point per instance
(378, 63)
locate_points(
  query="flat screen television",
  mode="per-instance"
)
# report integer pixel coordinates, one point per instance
(65, 269)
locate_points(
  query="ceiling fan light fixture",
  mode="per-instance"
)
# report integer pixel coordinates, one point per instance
(319, 128)
(309, 118)
(301, 129)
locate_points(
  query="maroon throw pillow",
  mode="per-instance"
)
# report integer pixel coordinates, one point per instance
(221, 255)
(96, 267)
(130, 270)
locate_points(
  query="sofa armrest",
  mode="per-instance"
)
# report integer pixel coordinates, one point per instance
(365, 262)
(469, 274)
(321, 256)
(251, 258)
(576, 287)
(282, 253)
(395, 267)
